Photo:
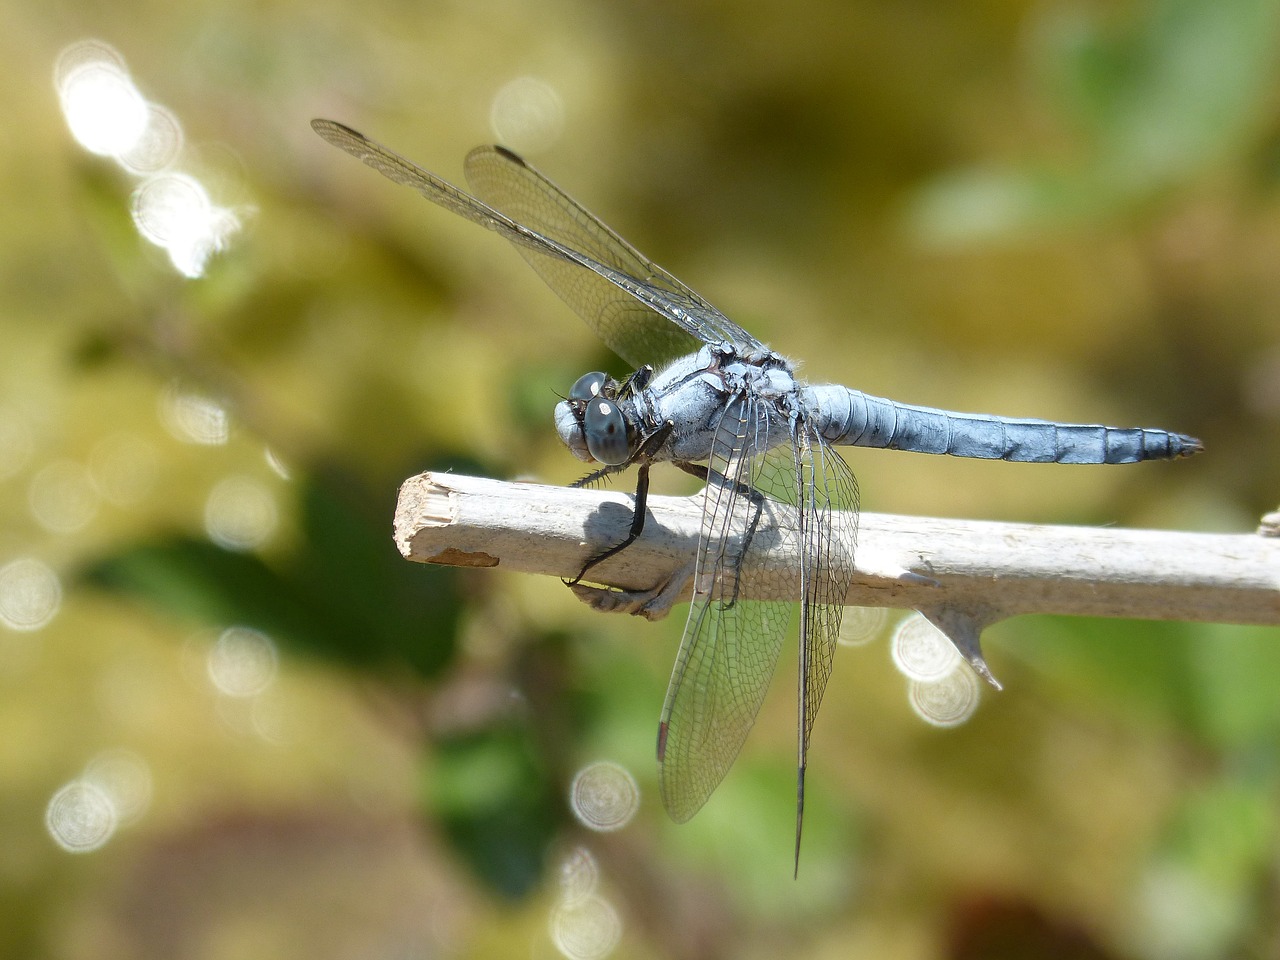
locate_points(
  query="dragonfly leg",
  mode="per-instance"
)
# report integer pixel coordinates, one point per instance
(653, 604)
(643, 457)
(637, 381)
(637, 526)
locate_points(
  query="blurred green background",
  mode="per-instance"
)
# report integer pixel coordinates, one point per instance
(234, 723)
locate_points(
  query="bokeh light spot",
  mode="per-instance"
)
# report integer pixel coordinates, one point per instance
(80, 817)
(173, 211)
(62, 497)
(1181, 915)
(604, 796)
(861, 625)
(158, 146)
(579, 875)
(240, 514)
(277, 464)
(125, 778)
(30, 594)
(108, 116)
(921, 651)
(527, 115)
(947, 702)
(585, 929)
(242, 663)
(269, 719)
(104, 110)
(193, 418)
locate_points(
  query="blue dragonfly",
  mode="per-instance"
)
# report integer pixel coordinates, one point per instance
(713, 400)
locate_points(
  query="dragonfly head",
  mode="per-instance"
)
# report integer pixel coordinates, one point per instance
(591, 423)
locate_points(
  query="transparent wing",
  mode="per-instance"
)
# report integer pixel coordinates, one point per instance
(811, 476)
(731, 645)
(643, 313)
(629, 326)
(829, 494)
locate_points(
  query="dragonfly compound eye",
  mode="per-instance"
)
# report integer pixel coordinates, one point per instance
(587, 386)
(606, 432)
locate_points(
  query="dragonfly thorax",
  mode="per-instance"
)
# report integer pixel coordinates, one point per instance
(610, 422)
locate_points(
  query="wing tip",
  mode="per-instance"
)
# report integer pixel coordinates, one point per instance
(800, 771)
(332, 130)
(509, 154)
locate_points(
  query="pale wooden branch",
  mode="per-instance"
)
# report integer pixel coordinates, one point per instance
(990, 570)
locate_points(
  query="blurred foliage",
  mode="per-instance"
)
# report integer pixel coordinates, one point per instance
(1202, 679)
(345, 594)
(1053, 209)
(1151, 100)
(497, 804)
